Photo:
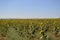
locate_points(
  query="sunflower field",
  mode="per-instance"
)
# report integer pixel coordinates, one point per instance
(30, 29)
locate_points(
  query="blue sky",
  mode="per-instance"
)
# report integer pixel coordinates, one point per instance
(29, 8)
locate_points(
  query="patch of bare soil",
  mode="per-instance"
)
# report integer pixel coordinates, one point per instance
(3, 38)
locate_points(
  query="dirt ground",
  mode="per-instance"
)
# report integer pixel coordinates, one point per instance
(2, 38)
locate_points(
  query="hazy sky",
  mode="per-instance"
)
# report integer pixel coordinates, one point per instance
(29, 8)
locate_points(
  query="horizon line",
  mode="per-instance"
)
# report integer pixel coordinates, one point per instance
(34, 18)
